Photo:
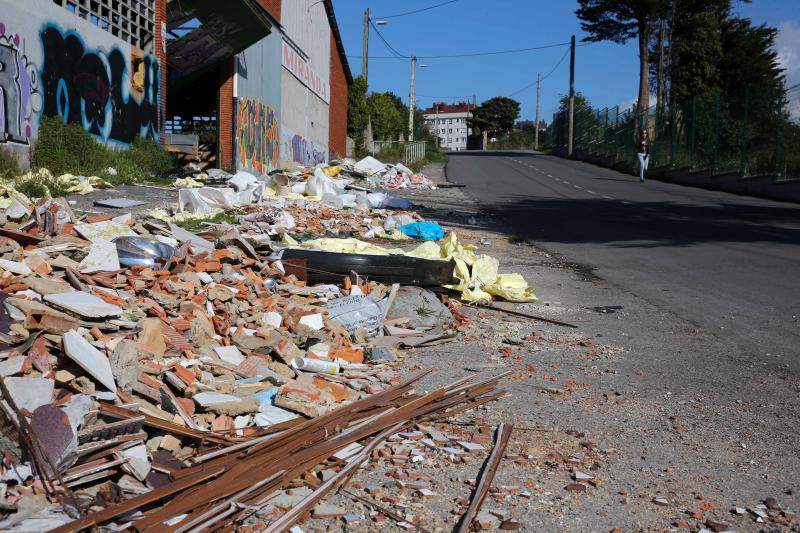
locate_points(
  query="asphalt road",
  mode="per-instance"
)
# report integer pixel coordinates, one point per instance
(728, 264)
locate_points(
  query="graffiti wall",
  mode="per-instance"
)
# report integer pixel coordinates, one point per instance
(297, 149)
(257, 138)
(258, 74)
(20, 92)
(113, 95)
(53, 63)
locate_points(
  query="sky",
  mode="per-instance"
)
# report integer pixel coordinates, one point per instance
(606, 73)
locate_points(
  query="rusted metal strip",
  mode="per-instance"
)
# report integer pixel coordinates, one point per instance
(486, 477)
(526, 315)
(136, 502)
(206, 517)
(218, 490)
(93, 470)
(289, 518)
(469, 405)
(169, 427)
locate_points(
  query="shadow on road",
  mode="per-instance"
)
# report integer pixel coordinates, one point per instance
(640, 224)
(645, 224)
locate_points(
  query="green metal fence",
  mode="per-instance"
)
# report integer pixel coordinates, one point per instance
(744, 134)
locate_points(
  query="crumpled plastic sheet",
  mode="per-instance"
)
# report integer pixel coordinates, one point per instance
(206, 199)
(382, 200)
(427, 231)
(479, 279)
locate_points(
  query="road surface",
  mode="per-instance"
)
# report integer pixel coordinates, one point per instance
(728, 264)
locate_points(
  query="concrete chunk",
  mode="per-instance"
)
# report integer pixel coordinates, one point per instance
(90, 359)
(83, 304)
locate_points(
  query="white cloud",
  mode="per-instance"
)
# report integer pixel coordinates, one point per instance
(625, 105)
(787, 45)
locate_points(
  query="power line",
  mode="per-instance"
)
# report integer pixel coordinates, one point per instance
(544, 77)
(495, 52)
(444, 97)
(557, 65)
(470, 54)
(389, 46)
(419, 10)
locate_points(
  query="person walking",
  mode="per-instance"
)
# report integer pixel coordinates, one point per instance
(643, 153)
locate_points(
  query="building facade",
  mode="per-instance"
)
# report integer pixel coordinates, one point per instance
(98, 63)
(262, 82)
(449, 122)
(287, 92)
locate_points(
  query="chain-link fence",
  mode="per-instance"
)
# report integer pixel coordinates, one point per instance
(746, 134)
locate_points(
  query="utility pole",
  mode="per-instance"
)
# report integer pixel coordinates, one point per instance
(365, 73)
(538, 96)
(411, 101)
(365, 52)
(472, 116)
(571, 96)
(436, 128)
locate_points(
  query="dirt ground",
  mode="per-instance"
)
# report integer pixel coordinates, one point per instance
(594, 400)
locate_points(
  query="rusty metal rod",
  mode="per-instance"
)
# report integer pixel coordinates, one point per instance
(486, 477)
(526, 315)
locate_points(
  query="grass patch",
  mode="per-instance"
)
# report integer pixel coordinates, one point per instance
(9, 168)
(196, 225)
(68, 149)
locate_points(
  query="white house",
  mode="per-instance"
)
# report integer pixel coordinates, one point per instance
(449, 123)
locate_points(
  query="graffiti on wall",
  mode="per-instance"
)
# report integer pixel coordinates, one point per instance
(96, 90)
(257, 135)
(20, 97)
(297, 149)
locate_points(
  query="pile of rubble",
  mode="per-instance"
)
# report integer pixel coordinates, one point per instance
(151, 376)
(342, 184)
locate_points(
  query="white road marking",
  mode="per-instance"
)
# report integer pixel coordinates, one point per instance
(566, 182)
(549, 175)
(608, 197)
(624, 202)
(590, 192)
(577, 186)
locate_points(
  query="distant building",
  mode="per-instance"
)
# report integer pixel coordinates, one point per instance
(449, 123)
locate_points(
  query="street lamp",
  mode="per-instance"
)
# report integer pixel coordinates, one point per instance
(411, 98)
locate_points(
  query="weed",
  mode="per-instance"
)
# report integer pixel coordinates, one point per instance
(68, 149)
(196, 225)
(8, 165)
(148, 155)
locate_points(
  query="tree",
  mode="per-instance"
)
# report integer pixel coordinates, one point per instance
(619, 21)
(495, 116)
(389, 115)
(749, 59)
(357, 112)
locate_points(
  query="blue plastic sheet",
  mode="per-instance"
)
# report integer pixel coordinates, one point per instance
(427, 231)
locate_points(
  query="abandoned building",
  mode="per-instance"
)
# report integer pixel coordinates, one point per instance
(256, 85)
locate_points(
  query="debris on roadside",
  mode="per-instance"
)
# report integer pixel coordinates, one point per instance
(142, 361)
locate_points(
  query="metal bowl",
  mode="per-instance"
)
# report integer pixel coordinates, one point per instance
(142, 251)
